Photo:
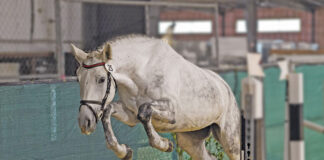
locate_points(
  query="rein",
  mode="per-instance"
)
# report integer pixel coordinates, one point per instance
(103, 102)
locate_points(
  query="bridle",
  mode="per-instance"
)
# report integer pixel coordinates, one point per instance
(103, 102)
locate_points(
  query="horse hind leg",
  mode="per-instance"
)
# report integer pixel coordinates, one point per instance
(194, 144)
(159, 110)
(229, 139)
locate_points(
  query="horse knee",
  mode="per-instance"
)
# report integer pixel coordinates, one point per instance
(144, 112)
(111, 145)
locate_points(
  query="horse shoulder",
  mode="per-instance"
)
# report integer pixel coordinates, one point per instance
(126, 82)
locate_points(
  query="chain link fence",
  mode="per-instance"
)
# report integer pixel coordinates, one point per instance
(35, 34)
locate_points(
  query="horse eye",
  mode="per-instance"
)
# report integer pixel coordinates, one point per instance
(101, 80)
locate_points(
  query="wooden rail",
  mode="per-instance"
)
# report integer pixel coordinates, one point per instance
(9, 55)
(314, 126)
(299, 52)
(30, 57)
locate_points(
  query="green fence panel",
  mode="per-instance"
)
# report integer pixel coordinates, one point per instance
(313, 90)
(39, 121)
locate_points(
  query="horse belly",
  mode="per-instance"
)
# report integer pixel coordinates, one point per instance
(200, 103)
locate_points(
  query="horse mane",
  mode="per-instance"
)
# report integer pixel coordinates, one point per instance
(118, 40)
(127, 38)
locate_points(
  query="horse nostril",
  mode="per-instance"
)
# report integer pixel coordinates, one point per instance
(88, 123)
(82, 129)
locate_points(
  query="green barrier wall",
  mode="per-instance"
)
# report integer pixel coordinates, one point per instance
(39, 121)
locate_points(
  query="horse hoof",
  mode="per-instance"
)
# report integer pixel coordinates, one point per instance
(129, 155)
(170, 149)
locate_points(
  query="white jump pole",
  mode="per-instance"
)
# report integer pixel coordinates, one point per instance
(295, 116)
(294, 135)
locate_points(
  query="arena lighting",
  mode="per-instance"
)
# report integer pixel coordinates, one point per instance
(187, 27)
(272, 25)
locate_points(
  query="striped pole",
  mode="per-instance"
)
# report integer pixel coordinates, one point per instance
(295, 117)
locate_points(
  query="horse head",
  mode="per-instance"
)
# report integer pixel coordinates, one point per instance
(97, 86)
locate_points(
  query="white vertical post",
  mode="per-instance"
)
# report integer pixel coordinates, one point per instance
(286, 67)
(252, 105)
(58, 37)
(286, 125)
(147, 20)
(295, 116)
(251, 24)
(216, 35)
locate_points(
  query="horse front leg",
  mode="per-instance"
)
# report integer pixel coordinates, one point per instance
(123, 114)
(121, 150)
(159, 110)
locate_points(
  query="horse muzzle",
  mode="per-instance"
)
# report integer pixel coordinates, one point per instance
(85, 131)
(87, 121)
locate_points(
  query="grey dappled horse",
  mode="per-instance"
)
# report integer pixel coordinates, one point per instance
(160, 89)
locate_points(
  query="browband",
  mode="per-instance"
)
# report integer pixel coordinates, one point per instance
(93, 65)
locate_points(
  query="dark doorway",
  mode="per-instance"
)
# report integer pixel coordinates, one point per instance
(102, 22)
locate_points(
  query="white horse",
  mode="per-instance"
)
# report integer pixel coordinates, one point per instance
(160, 89)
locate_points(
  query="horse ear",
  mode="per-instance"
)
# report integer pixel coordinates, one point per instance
(106, 54)
(79, 54)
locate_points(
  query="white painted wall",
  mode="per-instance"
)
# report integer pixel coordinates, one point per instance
(233, 46)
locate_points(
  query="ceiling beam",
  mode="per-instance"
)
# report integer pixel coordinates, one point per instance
(316, 2)
(157, 3)
(285, 3)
